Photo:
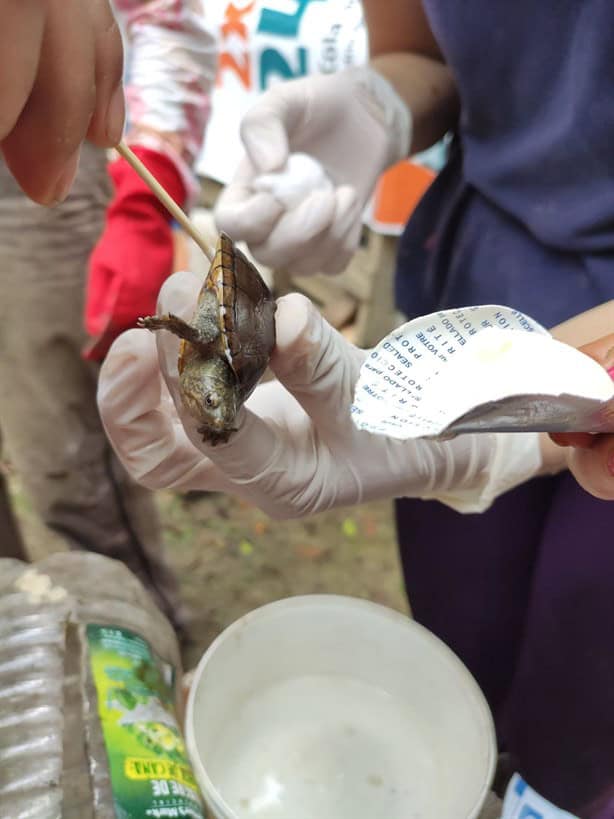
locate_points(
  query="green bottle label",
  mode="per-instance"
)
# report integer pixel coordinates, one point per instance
(150, 772)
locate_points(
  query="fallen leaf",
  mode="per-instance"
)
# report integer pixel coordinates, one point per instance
(261, 527)
(349, 527)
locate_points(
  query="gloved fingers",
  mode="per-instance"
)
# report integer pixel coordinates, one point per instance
(272, 429)
(272, 400)
(316, 365)
(297, 231)
(301, 175)
(266, 126)
(179, 296)
(347, 227)
(334, 251)
(275, 456)
(257, 456)
(243, 213)
(140, 421)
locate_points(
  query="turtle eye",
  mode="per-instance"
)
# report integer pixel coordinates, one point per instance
(212, 400)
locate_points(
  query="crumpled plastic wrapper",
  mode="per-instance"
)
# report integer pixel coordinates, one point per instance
(53, 762)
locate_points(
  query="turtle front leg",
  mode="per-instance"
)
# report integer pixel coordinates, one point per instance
(197, 336)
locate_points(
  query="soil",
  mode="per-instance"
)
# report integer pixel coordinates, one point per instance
(231, 558)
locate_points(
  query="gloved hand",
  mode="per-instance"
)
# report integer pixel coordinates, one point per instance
(296, 451)
(134, 255)
(355, 125)
(591, 457)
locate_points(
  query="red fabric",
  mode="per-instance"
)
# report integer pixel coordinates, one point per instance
(134, 255)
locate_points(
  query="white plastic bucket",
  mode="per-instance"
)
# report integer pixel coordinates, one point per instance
(327, 707)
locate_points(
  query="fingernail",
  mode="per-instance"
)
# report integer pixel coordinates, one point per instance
(116, 113)
(66, 178)
(610, 372)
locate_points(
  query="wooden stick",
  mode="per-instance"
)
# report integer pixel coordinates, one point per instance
(172, 207)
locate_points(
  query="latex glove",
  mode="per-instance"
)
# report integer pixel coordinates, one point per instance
(134, 255)
(61, 65)
(296, 451)
(302, 174)
(354, 124)
(591, 457)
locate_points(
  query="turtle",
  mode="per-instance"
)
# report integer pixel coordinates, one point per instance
(226, 346)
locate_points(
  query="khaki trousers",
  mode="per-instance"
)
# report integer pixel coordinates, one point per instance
(50, 426)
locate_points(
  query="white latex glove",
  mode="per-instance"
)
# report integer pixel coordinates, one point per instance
(296, 451)
(301, 175)
(355, 125)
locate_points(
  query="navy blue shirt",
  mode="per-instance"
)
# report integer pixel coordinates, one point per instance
(524, 212)
(523, 215)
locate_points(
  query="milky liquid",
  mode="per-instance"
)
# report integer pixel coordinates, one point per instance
(319, 747)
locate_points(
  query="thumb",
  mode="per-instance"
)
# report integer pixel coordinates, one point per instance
(243, 213)
(602, 351)
(266, 128)
(592, 466)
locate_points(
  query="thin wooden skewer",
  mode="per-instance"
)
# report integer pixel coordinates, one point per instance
(165, 198)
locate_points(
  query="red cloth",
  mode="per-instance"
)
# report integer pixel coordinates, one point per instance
(134, 255)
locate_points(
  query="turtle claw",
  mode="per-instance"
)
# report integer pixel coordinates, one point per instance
(214, 437)
(154, 323)
(178, 327)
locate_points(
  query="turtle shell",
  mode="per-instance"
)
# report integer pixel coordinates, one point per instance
(245, 313)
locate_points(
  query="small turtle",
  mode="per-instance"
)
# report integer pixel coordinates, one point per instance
(226, 347)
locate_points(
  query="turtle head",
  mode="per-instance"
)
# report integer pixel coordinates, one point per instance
(209, 390)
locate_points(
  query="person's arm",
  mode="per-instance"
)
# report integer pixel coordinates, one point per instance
(586, 327)
(403, 49)
(296, 450)
(354, 124)
(171, 68)
(170, 72)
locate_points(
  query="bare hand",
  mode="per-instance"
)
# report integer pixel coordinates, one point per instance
(591, 457)
(61, 69)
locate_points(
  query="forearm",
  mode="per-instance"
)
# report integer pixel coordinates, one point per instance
(586, 327)
(171, 70)
(427, 88)
(403, 50)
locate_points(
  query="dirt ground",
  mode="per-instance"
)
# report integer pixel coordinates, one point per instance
(231, 558)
